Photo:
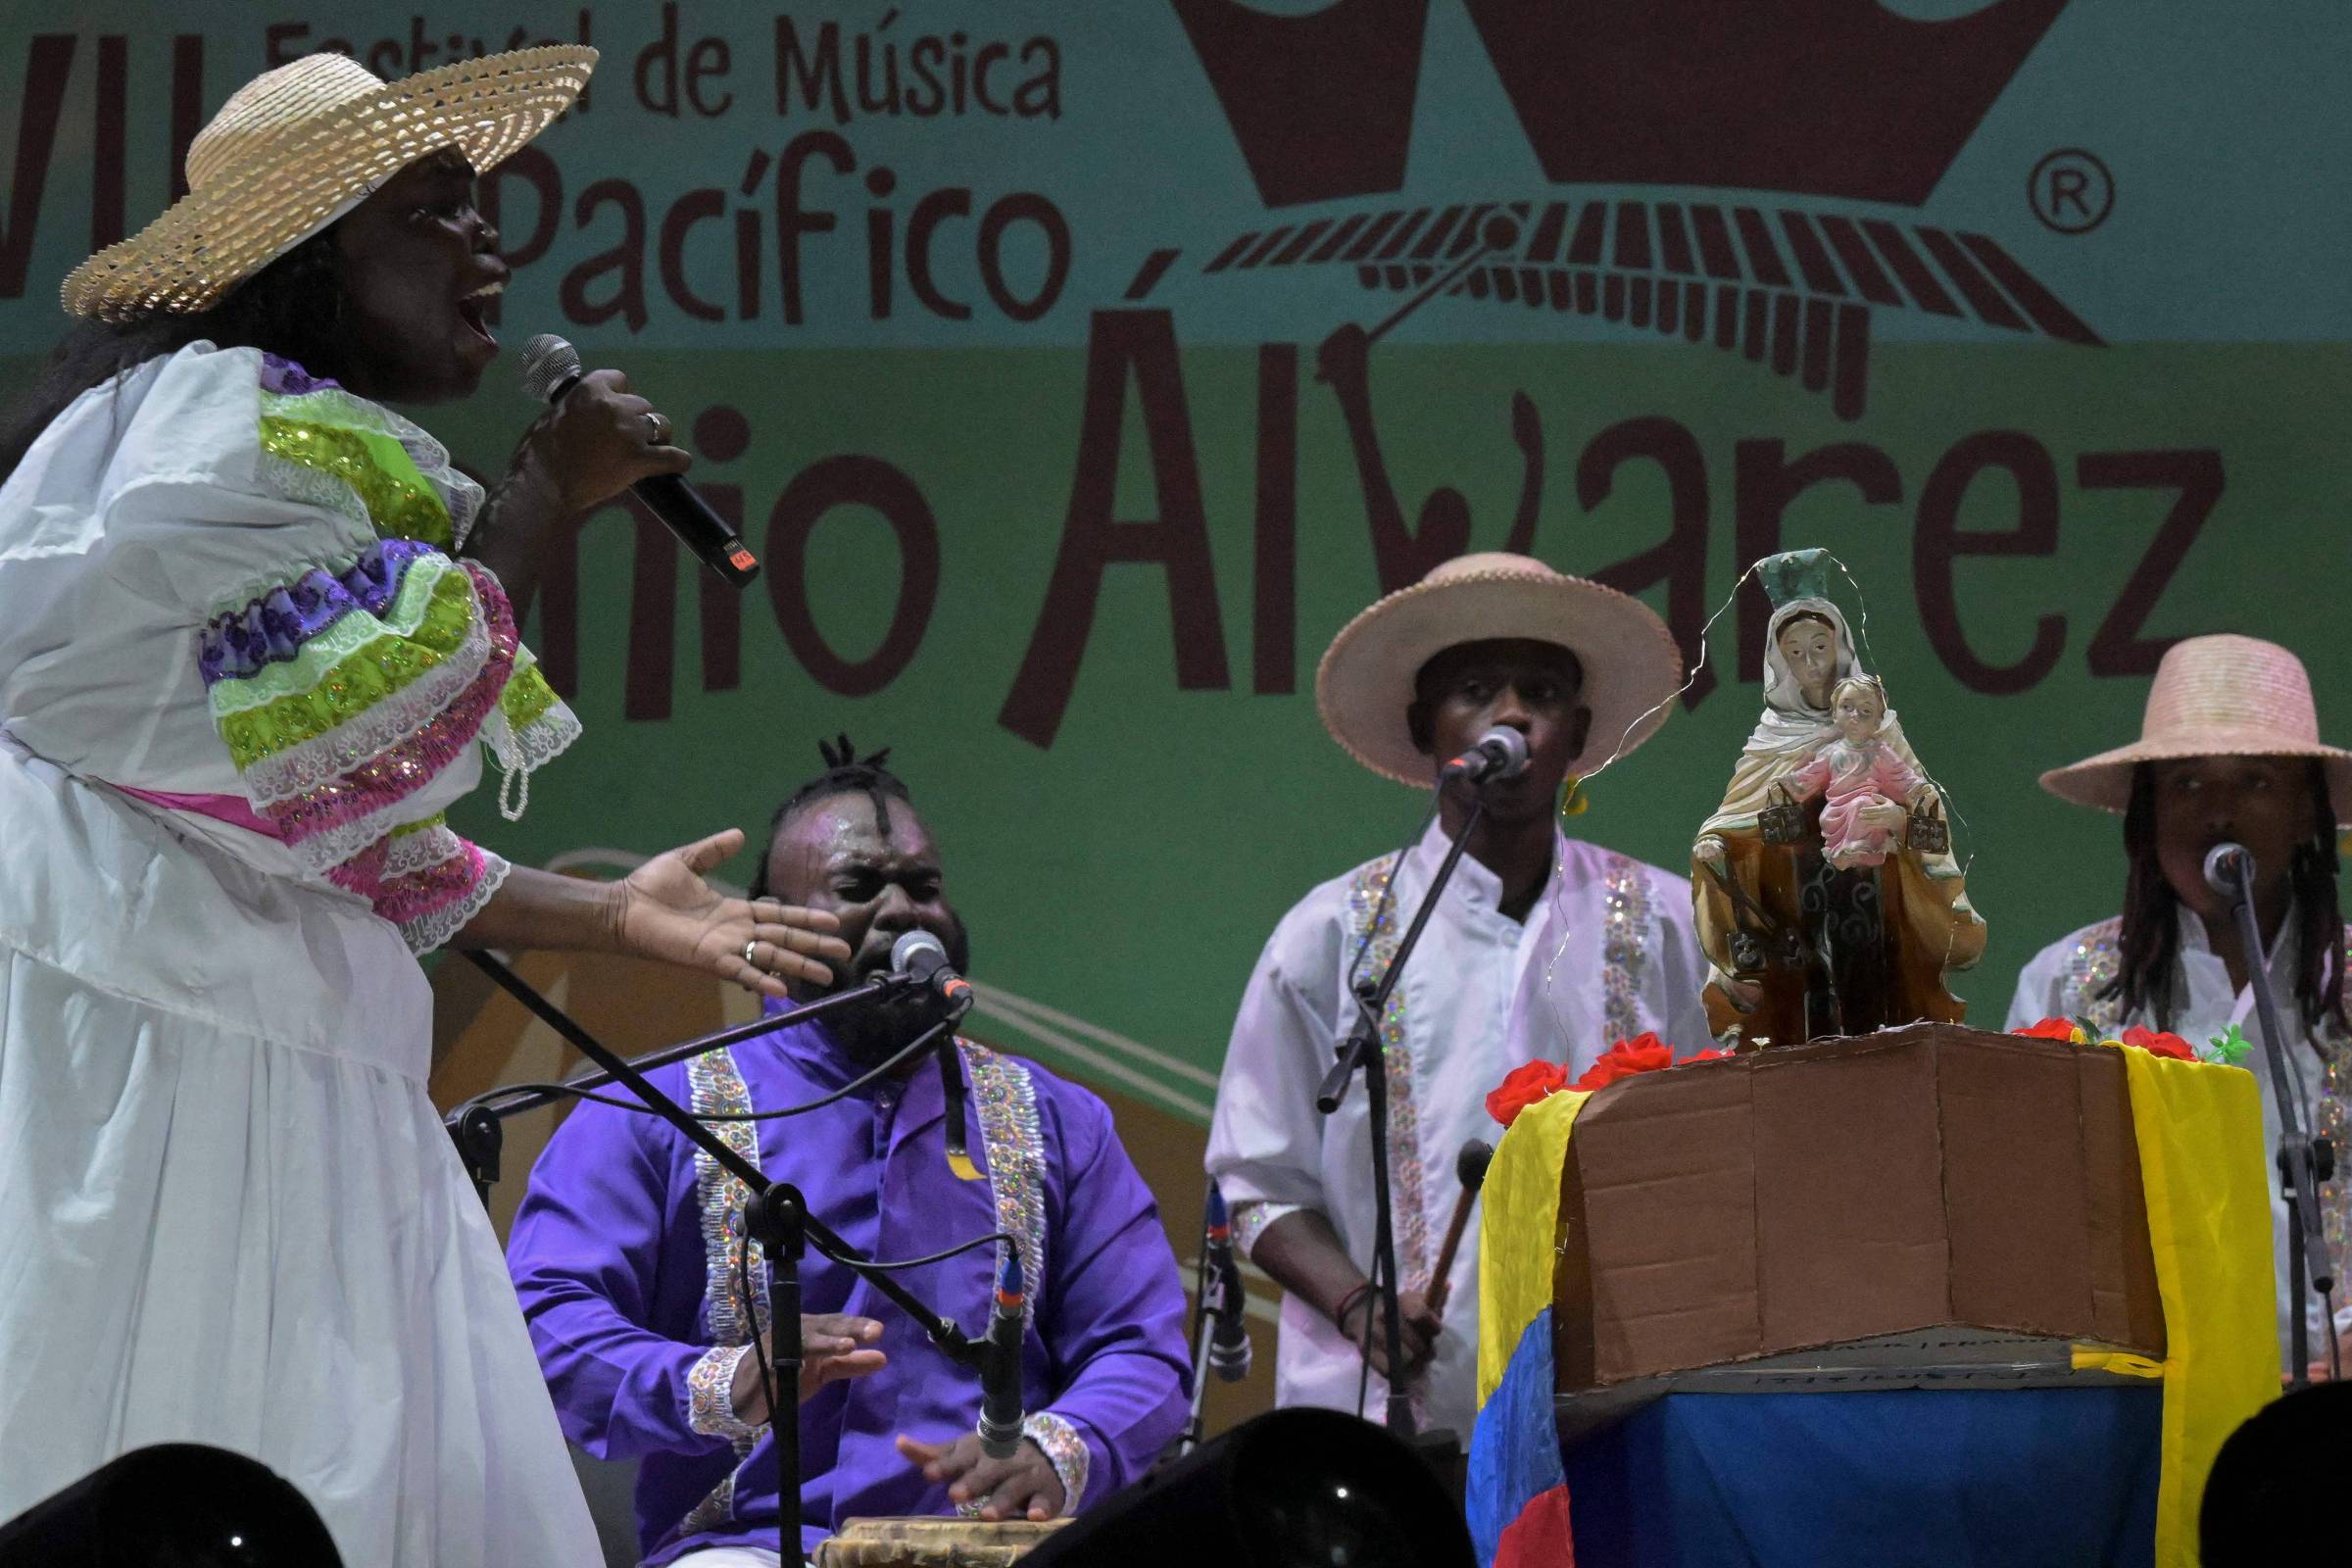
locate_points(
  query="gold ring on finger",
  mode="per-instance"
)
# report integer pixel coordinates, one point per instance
(747, 954)
(656, 426)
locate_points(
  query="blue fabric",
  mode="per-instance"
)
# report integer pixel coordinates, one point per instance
(1514, 1448)
(1902, 1479)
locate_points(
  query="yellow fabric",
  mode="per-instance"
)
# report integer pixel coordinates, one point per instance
(2123, 1363)
(1518, 1211)
(2203, 1163)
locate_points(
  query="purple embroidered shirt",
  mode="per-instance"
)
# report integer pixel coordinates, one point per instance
(623, 1256)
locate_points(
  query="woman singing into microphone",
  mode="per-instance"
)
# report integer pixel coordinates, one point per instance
(2228, 753)
(256, 635)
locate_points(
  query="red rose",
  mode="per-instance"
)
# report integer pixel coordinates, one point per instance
(1524, 1085)
(1708, 1055)
(2048, 1029)
(1645, 1053)
(2159, 1043)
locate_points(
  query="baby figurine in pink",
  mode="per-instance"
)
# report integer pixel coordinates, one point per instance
(1867, 785)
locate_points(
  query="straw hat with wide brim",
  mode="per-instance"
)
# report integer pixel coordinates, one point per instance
(296, 148)
(2222, 696)
(1365, 683)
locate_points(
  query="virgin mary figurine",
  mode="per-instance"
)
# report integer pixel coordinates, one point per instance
(1799, 948)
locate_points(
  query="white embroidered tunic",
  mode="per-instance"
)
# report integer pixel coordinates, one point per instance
(1611, 937)
(2064, 980)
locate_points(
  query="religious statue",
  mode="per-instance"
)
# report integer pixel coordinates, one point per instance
(1828, 899)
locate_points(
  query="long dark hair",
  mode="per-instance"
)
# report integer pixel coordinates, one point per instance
(294, 308)
(2151, 934)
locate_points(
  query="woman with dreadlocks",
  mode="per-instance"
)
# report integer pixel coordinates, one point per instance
(2228, 753)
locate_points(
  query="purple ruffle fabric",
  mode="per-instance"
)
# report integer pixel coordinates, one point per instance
(290, 380)
(273, 628)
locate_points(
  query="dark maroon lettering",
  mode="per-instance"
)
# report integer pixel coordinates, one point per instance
(853, 480)
(1680, 559)
(1142, 343)
(2195, 478)
(1939, 540)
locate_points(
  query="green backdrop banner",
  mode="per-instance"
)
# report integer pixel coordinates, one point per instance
(1078, 368)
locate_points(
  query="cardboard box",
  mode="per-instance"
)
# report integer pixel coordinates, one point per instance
(1927, 1205)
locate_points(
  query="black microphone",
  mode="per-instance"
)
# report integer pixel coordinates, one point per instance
(1501, 754)
(921, 960)
(999, 1426)
(551, 368)
(2228, 868)
(1229, 1334)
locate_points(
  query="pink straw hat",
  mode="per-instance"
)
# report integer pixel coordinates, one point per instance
(2222, 696)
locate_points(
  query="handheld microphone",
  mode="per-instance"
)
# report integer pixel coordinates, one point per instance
(2225, 865)
(1501, 754)
(1229, 1334)
(999, 1426)
(551, 368)
(921, 960)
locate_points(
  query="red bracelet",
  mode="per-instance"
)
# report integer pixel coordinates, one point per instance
(1338, 1316)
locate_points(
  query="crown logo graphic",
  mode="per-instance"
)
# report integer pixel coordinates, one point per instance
(1823, 97)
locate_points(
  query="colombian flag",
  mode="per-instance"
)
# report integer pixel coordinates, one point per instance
(2199, 1132)
(1518, 1491)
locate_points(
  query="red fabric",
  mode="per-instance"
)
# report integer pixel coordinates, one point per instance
(2159, 1043)
(2047, 1029)
(1645, 1053)
(1525, 1085)
(1540, 1537)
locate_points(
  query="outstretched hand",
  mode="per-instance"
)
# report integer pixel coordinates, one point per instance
(667, 912)
(834, 1348)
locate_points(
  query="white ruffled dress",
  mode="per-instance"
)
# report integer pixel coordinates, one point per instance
(241, 678)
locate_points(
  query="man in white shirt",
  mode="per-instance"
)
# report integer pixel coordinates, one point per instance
(2228, 753)
(1583, 672)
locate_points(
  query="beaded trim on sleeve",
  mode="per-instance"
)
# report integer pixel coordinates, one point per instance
(1414, 1260)
(1252, 1218)
(715, 1087)
(711, 1397)
(1626, 926)
(1065, 1451)
(2096, 958)
(1007, 1098)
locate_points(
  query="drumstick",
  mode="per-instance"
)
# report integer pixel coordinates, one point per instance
(1470, 1166)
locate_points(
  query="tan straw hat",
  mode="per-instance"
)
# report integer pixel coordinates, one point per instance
(2221, 696)
(1365, 683)
(296, 148)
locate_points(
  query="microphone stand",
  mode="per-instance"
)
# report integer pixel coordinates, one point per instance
(776, 1217)
(1210, 1307)
(2303, 1160)
(1361, 1049)
(475, 1127)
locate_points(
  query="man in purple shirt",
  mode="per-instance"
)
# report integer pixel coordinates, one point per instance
(624, 1251)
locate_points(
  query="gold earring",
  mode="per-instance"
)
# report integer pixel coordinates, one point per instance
(1574, 801)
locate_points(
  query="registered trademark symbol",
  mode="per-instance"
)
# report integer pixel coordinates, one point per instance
(2071, 191)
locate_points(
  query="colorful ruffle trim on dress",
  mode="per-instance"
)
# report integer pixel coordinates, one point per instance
(347, 692)
(322, 445)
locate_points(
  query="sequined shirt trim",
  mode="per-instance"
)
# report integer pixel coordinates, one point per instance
(1006, 1100)
(1065, 1451)
(717, 1088)
(1628, 923)
(1410, 1216)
